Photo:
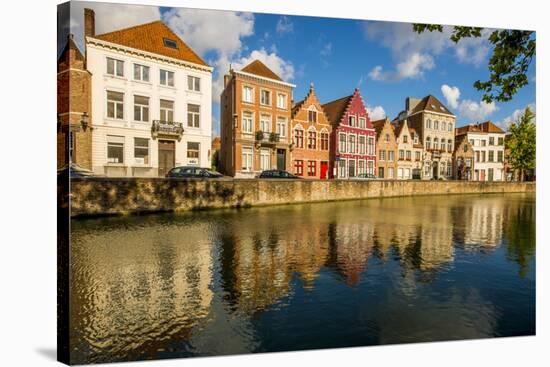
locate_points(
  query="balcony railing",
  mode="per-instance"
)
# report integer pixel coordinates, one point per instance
(167, 128)
(267, 137)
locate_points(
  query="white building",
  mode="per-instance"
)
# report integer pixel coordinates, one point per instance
(487, 141)
(151, 101)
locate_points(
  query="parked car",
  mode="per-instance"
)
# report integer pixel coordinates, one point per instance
(276, 173)
(75, 171)
(366, 176)
(192, 172)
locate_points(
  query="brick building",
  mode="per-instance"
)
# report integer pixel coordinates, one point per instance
(463, 159)
(353, 139)
(74, 136)
(386, 148)
(255, 108)
(311, 131)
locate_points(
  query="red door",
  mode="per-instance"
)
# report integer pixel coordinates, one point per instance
(324, 170)
(482, 175)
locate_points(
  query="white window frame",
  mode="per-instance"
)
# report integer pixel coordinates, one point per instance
(116, 69)
(265, 119)
(141, 72)
(166, 110)
(193, 81)
(167, 83)
(370, 145)
(342, 149)
(284, 100)
(354, 119)
(262, 97)
(116, 105)
(362, 122)
(247, 159)
(281, 126)
(247, 123)
(244, 96)
(115, 141)
(196, 116)
(265, 155)
(147, 160)
(352, 138)
(142, 107)
(362, 144)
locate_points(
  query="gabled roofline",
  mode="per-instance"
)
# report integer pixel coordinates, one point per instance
(116, 46)
(264, 78)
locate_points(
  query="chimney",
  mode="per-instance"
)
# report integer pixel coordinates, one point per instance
(411, 103)
(89, 23)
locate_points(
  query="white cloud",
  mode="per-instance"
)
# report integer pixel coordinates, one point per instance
(376, 112)
(411, 68)
(284, 25)
(515, 116)
(451, 94)
(327, 49)
(108, 17)
(281, 67)
(415, 53)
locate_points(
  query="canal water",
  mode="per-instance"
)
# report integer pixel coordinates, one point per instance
(328, 275)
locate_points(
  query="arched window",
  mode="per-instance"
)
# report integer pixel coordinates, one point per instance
(436, 125)
(312, 139)
(387, 138)
(449, 145)
(428, 124)
(299, 138)
(450, 126)
(436, 143)
(443, 126)
(428, 143)
(324, 139)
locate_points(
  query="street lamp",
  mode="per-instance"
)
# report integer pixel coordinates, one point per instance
(84, 120)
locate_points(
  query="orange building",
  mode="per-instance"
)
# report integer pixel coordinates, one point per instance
(386, 148)
(311, 138)
(255, 110)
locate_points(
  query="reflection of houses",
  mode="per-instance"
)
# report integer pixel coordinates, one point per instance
(352, 149)
(463, 161)
(386, 148)
(74, 136)
(311, 133)
(483, 223)
(255, 110)
(151, 99)
(487, 141)
(434, 124)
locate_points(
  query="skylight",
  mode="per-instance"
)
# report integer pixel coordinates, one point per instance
(170, 43)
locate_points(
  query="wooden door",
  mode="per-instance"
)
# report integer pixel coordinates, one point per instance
(281, 159)
(324, 170)
(167, 156)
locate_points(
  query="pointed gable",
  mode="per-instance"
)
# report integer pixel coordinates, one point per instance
(309, 100)
(155, 37)
(335, 109)
(431, 104)
(257, 67)
(70, 56)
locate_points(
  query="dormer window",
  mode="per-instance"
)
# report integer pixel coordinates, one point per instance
(312, 116)
(170, 43)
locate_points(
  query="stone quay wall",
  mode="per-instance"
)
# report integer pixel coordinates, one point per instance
(115, 196)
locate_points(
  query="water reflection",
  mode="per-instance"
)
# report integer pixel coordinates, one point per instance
(297, 277)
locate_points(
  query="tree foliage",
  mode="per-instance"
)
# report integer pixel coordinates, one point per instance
(513, 52)
(522, 142)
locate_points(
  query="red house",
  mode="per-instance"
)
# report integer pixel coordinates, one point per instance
(352, 150)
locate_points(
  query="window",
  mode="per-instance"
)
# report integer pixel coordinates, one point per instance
(193, 83)
(417, 155)
(265, 160)
(370, 167)
(491, 156)
(405, 139)
(311, 168)
(436, 143)
(248, 92)
(246, 158)
(141, 72)
(436, 125)
(265, 97)
(390, 172)
(428, 143)
(371, 146)
(299, 167)
(166, 110)
(390, 155)
(382, 155)
(500, 141)
(400, 173)
(115, 149)
(115, 67)
(491, 140)
(324, 141)
(449, 145)
(141, 150)
(351, 147)
(360, 166)
(362, 122)
(299, 138)
(351, 120)
(170, 43)
(311, 140)
(141, 108)
(408, 155)
(401, 154)
(483, 156)
(312, 116)
(500, 155)
(281, 100)
(380, 172)
(351, 168)
(387, 138)
(483, 142)
(342, 168)
(449, 169)
(477, 156)
(167, 78)
(281, 126)
(265, 123)
(415, 139)
(342, 143)
(362, 141)
(193, 149)
(428, 124)
(450, 126)
(247, 122)
(443, 126)
(193, 115)
(115, 105)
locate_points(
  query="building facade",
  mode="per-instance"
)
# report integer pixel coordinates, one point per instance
(353, 139)
(434, 124)
(151, 101)
(463, 160)
(409, 152)
(487, 141)
(311, 132)
(74, 135)
(386, 149)
(255, 110)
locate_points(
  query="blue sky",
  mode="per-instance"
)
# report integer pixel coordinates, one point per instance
(385, 60)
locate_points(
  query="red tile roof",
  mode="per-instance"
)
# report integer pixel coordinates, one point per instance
(150, 37)
(257, 67)
(486, 127)
(335, 109)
